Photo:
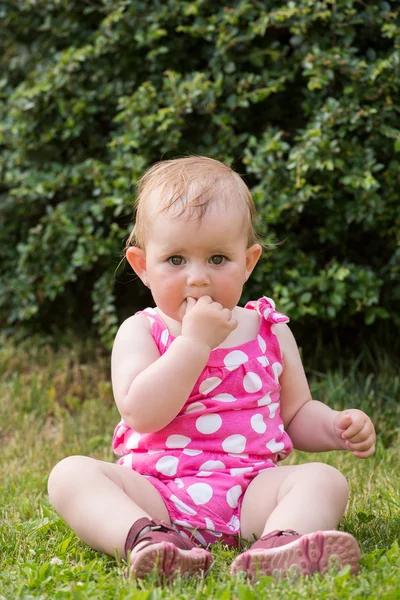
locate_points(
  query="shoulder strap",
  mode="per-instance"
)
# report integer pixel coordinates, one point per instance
(159, 330)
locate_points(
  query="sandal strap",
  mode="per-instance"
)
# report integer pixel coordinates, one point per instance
(133, 534)
(159, 532)
(274, 539)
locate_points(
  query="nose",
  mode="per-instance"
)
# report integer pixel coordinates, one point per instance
(198, 275)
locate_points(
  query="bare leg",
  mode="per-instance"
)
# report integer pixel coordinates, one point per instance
(309, 499)
(304, 498)
(100, 501)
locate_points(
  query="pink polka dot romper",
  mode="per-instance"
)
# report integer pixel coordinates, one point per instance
(228, 431)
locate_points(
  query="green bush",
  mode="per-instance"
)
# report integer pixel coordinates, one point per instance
(301, 97)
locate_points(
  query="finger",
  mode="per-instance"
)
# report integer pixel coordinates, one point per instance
(205, 300)
(190, 302)
(227, 313)
(354, 428)
(366, 453)
(361, 446)
(218, 306)
(360, 435)
(343, 421)
(233, 323)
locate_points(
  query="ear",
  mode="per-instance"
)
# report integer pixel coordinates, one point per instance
(136, 257)
(252, 255)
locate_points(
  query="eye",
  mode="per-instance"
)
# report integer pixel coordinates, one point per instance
(217, 259)
(175, 260)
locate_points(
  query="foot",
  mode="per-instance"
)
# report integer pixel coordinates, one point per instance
(154, 547)
(286, 554)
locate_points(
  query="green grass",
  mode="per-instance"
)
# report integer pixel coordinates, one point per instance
(56, 404)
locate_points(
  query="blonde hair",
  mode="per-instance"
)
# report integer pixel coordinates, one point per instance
(191, 185)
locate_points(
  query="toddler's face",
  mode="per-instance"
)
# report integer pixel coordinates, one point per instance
(185, 258)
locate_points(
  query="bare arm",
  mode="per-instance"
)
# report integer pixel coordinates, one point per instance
(312, 425)
(308, 422)
(150, 389)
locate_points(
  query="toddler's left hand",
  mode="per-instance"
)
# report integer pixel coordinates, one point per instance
(355, 429)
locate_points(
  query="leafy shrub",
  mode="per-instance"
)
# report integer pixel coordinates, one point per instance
(300, 97)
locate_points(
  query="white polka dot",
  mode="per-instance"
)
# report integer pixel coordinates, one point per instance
(151, 311)
(257, 423)
(233, 495)
(252, 382)
(277, 369)
(234, 359)
(266, 313)
(265, 400)
(127, 460)
(133, 441)
(208, 423)
(208, 385)
(182, 523)
(272, 409)
(234, 523)
(167, 465)
(195, 406)
(187, 510)
(241, 470)
(263, 360)
(224, 398)
(177, 441)
(281, 427)
(200, 493)
(275, 446)
(164, 337)
(262, 343)
(121, 430)
(234, 443)
(192, 452)
(270, 301)
(209, 524)
(204, 474)
(212, 465)
(200, 538)
(179, 483)
(184, 534)
(154, 451)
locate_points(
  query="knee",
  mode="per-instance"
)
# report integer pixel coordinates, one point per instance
(331, 480)
(64, 478)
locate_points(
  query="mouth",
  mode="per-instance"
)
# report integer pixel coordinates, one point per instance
(196, 299)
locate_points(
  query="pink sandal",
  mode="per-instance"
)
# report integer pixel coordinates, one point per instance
(288, 554)
(166, 552)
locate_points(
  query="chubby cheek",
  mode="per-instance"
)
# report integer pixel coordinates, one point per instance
(169, 298)
(230, 291)
(230, 301)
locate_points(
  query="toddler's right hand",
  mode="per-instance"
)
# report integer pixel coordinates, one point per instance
(207, 321)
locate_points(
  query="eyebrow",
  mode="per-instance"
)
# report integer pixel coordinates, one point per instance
(172, 250)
